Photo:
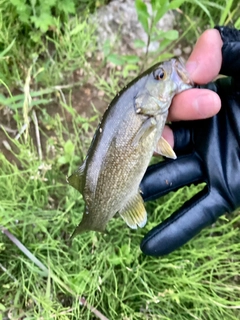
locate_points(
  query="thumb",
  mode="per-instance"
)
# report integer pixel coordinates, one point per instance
(200, 211)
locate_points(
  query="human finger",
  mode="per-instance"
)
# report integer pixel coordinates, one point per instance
(197, 213)
(205, 60)
(194, 104)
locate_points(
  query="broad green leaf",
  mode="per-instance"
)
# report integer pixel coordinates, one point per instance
(128, 68)
(141, 7)
(165, 56)
(165, 35)
(77, 29)
(161, 12)
(17, 3)
(62, 160)
(164, 44)
(171, 34)
(155, 4)
(33, 3)
(21, 6)
(115, 59)
(69, 147)
(81, 279)
(24, 10)
(125, 252)
(48, 3)
(115, 260)
(175, 4)
(143, 14)
(85, 126)
(125, 249)
(2, 307)
(66, 6)
(106, 47)
(157, 34)
(139, 44)
(43, 22)
(131, 58)
(36, 35)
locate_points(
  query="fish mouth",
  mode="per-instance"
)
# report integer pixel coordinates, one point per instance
(180, 76)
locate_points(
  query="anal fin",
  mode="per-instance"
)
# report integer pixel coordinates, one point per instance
(164, 148)
(134, 213)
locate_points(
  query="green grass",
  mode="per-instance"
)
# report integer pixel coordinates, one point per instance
(198, 281)
(53, 60)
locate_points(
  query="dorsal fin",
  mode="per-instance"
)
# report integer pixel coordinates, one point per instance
(77, 179)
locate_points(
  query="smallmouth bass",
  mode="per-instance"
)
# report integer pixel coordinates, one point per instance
(122, 147)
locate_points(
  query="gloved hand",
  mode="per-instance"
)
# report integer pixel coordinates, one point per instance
(208, 151)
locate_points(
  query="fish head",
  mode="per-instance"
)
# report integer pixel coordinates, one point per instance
(165, 80)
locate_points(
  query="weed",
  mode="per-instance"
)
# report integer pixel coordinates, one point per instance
(200, 280)
(52, 58)
(207, 14)
(97, 274)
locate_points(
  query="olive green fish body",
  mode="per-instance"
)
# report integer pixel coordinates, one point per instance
(122, 148)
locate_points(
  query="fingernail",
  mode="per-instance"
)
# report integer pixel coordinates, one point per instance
(191, 67)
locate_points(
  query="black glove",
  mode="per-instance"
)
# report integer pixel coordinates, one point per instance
(208, 151)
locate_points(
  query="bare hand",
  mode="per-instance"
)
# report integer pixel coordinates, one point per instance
(203, 66)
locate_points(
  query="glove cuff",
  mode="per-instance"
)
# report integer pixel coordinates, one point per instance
(228, 34)
(230, 51)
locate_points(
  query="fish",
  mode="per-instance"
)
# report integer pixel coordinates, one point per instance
(122, 147)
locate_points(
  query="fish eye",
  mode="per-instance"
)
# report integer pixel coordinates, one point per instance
(159, 74)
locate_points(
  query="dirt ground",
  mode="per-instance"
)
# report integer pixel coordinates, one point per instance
(82, 99)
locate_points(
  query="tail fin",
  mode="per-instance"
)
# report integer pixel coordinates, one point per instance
(78, 230)
(87, 225)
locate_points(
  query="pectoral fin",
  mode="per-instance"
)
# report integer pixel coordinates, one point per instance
(164, 148)
(76, 180)
(147, 127)
(134, 213)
